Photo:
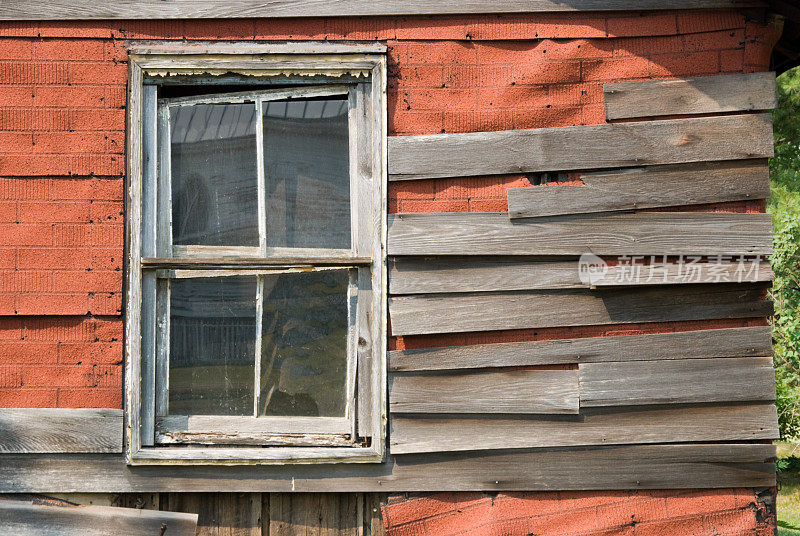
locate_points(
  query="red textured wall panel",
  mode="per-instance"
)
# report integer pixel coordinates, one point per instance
(730, 512)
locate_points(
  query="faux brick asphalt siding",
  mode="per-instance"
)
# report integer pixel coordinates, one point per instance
(728, 512)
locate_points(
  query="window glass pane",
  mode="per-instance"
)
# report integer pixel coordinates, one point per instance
(307, 168)
(304, 344)
(214, 176)
(212, 346)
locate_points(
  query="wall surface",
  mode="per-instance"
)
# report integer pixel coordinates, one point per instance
(62, 121)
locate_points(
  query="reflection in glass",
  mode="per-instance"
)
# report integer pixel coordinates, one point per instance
(307, 168)
(214, 176)
(304, 344)
(212, 346)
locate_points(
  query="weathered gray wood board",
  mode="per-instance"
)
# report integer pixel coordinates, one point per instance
(737, 379)
(629, 467)
(515, 391)
(314, 514)
(215, 9)
(702, 95)
(221, 514)
(641, 188)
(255, 263)
(617, 145)
(273, 514)
(39, 430)
(729, 342)
(644, 233)
(423, 276)
(412, 434)
(20, 518)
(418, 315)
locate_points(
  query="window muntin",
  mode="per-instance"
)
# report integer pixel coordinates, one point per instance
(349, 241)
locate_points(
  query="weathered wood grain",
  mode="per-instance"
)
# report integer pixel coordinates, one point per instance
(220, 514)
(314, 514)
(414, 434)
(616, 145)
(254, 263)
(729, 342)
(133, 237)
(701, 95)
(22, 517)
(516, 391)
(216, 9)
(443, 275)
(738, 379)
(40, 430)
(418, 315)
(626, 467)
(641, 188)
(644, 233)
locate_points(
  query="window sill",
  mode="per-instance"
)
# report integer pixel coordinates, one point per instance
(253, 456)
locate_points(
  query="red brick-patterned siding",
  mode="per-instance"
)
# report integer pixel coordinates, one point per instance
(731, 512)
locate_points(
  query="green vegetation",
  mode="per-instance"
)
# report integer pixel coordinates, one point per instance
(785, 208)
(789, 496)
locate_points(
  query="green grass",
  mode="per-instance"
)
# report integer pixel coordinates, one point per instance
(789, 494)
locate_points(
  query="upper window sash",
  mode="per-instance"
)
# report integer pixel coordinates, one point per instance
(161, 195)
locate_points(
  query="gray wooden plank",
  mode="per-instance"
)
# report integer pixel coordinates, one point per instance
(314, 514)
(708, 343)
(642, 188)
(39, 430)
(413, 434)
(623, 467)
(616, 145)
(643, 233)
(442, 275)
(220, 514)
(418, 315)
(737, 379)
(215, 9)
(701, 95)
(24, 518)
(516, 391)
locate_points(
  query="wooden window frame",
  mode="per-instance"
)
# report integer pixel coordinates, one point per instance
(359, 71)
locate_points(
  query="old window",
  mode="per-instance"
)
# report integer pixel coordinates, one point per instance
(255, 304)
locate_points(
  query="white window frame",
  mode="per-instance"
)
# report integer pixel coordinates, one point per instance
(355, 70)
